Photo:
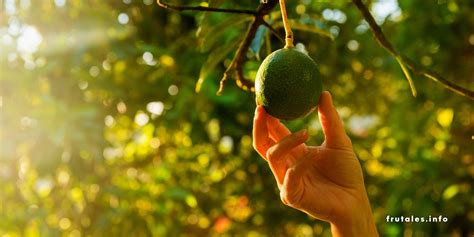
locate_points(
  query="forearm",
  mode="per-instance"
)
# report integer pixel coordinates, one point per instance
(364, 228)
(360, 223)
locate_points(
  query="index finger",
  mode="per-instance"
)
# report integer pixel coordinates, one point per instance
(261, 139)
(278, 131)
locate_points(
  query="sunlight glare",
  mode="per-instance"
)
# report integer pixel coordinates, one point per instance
(60, 3)
(226, 144)
(359, 125)
(334, 15)
(155, 108)
(29, 41)
(10, 7)
(141, 118)
(386, 8)
(173, 90)
(123, 18)
(148, 58)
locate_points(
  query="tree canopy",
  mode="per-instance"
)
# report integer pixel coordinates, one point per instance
(111, 124)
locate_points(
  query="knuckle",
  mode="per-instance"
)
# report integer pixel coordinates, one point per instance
(291, 174)
(288, 198)
(294, 138)
(291, 196)
(349, 142)
(255, 145)
(283, 196)
(271, 154)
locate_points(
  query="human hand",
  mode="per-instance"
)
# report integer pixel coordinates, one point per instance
(324, 181)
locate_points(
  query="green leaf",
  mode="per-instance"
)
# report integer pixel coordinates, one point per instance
(177, 193)
(407, 75)
(296, 25)
(205, 22)
(216, 56)
(215, 33)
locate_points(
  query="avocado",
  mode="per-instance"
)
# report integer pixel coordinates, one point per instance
(288, 84)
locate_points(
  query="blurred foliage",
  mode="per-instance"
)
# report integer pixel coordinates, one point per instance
(102, 133)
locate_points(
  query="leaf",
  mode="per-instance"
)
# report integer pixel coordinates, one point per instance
(177, 193)
(296, 25)
(216, 56)
(205, 23)
(268, 44)
(214, 34)
(257, 41)
(407, 75)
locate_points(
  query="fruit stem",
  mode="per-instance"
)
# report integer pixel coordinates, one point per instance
(286, 24)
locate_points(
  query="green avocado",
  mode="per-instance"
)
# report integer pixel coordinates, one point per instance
(288, 84)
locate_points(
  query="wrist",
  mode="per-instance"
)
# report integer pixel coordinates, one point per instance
(359, 222)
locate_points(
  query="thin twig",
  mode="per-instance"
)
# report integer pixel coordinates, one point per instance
(239, 57)
(201, 8)
(239, 60)
(438, 78)
(382, 40)
(225, 76)
(274, 31)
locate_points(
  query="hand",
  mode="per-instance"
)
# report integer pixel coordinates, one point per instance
(324, 181)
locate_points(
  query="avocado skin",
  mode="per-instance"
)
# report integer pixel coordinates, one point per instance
(288, 84)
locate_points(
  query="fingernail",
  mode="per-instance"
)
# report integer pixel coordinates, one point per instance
(260, 112)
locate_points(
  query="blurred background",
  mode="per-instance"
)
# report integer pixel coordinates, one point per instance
(103, 134)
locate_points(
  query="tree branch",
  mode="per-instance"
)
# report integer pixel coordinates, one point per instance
(205, 9)
(239, 58)
(382, 40)
(236, 66)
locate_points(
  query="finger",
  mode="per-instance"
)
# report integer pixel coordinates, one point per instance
(286, 145)
(335, 136)
(280, 150)
(261, 139)
(293, 187)
(301, 166)
(278, 131)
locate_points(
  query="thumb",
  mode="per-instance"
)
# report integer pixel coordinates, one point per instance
(334, 134)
